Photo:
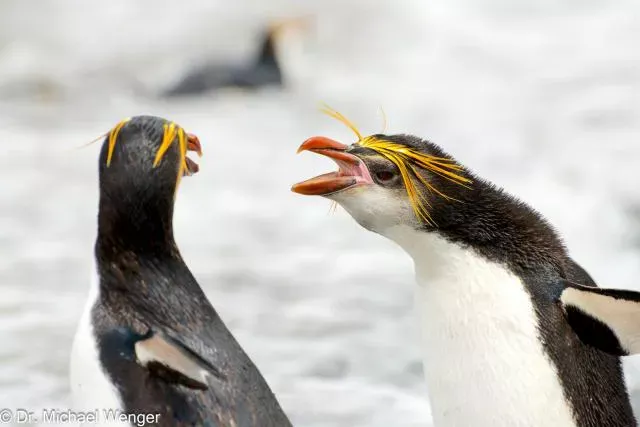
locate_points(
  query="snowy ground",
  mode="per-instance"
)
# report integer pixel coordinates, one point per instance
(542, 99)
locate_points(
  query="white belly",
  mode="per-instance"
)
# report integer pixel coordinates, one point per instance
(90, 387)
(483, 361)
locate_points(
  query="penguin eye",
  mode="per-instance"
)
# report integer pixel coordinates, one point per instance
(385, 176)
(384, 172)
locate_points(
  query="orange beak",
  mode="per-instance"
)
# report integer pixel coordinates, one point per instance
(352, 171)
(193, 144)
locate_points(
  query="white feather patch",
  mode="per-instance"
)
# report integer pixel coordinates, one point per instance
(158, 349)
(622, 316)
(483, 359)
(91, 387)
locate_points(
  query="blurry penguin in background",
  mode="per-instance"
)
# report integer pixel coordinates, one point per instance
(264, 70)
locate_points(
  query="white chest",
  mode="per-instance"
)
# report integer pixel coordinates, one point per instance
(90, 387)
(483, 361)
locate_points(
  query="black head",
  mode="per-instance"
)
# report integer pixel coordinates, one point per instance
(401, 186)
(387, 180)
(268, 53)
(141, 164)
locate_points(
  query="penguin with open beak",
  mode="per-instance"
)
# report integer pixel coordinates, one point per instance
(514, 332)
(149, 342)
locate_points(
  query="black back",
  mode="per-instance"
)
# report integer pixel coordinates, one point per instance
(145, 284)
(263, 71)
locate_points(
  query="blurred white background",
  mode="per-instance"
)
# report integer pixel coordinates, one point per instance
(540, 97)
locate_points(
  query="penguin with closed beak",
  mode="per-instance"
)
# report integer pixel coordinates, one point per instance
(149, 342)
(514, 332)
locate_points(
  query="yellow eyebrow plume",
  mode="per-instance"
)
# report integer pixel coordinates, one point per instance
(168, 137)
(338, 116)
(384, 120)
(113, 137)
(409, 161)
(182, 140)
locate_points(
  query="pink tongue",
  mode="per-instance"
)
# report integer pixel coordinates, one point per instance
(349, 169)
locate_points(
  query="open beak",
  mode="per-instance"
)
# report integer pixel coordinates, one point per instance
(193, 144)
(351, 170)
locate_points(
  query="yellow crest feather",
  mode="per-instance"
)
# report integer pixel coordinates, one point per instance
(171, 130)
(338, 116)
(113, 137)
(408, 160)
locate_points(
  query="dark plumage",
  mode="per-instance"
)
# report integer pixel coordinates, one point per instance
(264, 70)
(507, 231)
(382, 178)
(146, 286)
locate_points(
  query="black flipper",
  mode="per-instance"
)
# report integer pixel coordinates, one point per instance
(608, 319)
(174, 362)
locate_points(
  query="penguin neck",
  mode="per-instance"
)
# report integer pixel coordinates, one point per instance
(135, 252)
(139, 224)
(479, 331)
(500, 228)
